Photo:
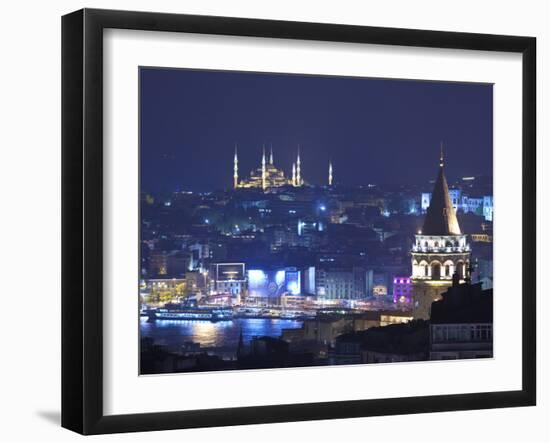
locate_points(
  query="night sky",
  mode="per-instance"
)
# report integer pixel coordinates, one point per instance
(374, 130)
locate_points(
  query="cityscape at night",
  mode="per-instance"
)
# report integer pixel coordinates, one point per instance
(298, 220)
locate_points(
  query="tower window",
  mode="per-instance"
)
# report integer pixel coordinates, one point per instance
(436, 271)
(460, 269)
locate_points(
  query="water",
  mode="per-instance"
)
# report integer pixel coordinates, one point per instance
(220, 337)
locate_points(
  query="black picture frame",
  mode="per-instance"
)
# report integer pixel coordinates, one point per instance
(82, 216)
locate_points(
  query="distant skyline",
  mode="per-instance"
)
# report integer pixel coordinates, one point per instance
(373, 130)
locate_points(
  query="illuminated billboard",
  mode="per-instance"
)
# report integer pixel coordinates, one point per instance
(273, 283)
(227, 272)
(292, 281)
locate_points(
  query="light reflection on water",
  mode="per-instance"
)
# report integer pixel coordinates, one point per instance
(222, 335)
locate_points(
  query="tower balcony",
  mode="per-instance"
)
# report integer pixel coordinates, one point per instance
(441, 250)
(440, 244)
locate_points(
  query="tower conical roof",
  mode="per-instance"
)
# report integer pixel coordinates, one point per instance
(441, 217)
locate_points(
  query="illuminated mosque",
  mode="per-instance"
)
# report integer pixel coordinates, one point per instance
(267, 175)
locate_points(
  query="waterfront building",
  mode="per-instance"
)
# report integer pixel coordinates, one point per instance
(293, 302)
(162, 289)
(439, 251)
(227, 278)
(341, 283)
(196, 281)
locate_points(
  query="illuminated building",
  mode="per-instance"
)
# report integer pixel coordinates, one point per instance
(381, 284)
(457, 199)
(395, 317)
(440, 250)
(465, 203)
(309, 280)
(333, 283)
(402, 290)
(267, 175)
(330, 173)
(483, 237)
(227, 278)
(425, 198)
(488, 207)
(289, 301)
(168, 287)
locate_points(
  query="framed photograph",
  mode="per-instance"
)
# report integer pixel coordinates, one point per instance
(269, 221)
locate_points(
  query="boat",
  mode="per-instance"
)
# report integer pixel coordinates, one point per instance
(143, 311)
(182, 312)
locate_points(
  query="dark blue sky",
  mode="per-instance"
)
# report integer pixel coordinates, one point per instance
(375, 130)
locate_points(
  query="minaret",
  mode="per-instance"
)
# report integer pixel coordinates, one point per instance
(293, 174)
(298, 169)
(263, 169)
(330, 173)
(235, 169)
(271, 155)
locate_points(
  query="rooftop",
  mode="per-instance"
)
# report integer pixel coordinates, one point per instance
(441, 217)
(464, 303)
